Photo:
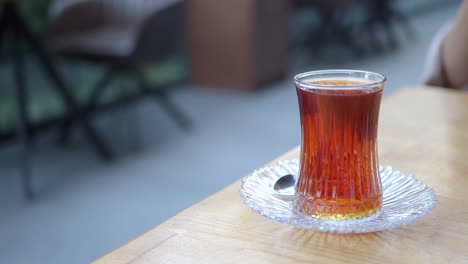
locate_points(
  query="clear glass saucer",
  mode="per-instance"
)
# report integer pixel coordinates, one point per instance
(405, 199)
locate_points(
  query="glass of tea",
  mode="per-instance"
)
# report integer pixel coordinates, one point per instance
(339, 170)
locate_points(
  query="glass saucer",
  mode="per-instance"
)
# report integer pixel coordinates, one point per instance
(405, 199)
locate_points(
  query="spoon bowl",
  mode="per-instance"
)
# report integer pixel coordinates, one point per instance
(285, 185)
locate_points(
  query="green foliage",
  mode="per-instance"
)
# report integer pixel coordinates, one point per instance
(81, 78)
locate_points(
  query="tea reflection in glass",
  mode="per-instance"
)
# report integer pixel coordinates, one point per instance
(339, 171)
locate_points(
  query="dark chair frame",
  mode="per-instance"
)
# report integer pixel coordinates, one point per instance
(11, 22)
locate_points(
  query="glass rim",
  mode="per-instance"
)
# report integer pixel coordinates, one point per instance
(302, 84)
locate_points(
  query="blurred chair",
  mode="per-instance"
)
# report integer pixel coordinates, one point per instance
(123, 35)
(13, 27)
(332, 25)
(336, 22)
(385, 15)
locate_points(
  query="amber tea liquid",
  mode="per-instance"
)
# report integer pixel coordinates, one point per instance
(339, 176)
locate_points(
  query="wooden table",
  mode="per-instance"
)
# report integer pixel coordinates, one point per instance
(422, 131)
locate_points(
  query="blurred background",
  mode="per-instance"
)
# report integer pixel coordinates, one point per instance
(117, 114)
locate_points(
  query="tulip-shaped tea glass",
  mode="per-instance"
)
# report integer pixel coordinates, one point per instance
(339, 170)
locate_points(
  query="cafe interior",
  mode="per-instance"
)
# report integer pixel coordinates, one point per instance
(117, 115)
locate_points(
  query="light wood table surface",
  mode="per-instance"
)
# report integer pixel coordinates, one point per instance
(422, 131)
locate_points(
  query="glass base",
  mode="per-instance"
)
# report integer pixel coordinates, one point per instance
(339, 210)
(345, 221)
